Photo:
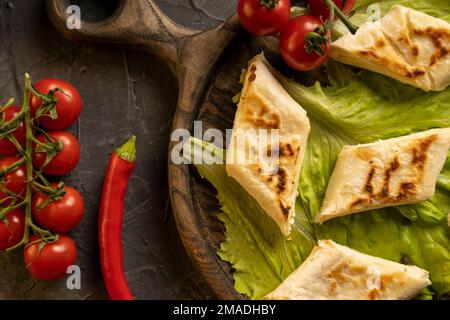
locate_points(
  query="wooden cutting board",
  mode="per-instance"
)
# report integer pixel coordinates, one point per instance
(207, 65)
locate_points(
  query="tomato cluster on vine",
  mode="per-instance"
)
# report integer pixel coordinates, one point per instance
(35, 212)
(304, 40)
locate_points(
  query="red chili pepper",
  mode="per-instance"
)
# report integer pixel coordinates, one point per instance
(121, 165)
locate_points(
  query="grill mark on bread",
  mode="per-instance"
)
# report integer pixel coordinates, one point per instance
(437, 36)
(420, 151)
(373, 294)
(380, 43)
(406, 189)
(333, 287)
(404, 69)
(262, 117)
(252, 75)
(287, 150)
(281, 187)
(393, 166)
(370, 53)
(282, 180)
(359, 202)
(385, 280)
(416, 72)
(284, 209)
(337, 273)
(344, 272)
(440, 54)
(369, 187)
(279, 180)
(404, 37)
(270, 150)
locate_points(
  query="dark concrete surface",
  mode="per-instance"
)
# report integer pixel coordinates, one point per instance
(124, 92)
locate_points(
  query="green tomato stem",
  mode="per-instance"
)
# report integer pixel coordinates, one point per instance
(28, 150)
(351, 27)
(269, 4)
(27, 160)
(12, 167)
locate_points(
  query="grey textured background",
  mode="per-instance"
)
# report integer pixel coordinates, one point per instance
(124, 93)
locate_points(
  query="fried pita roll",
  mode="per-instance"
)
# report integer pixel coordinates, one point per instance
(268, 168)
(386, 173)
(407, 45)
(335, 272)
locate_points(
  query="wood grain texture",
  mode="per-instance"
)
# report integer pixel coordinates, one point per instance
(124, 91)
(192, 56)
(207, 65)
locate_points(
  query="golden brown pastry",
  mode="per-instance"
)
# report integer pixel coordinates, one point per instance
(385, 173)
(271, 180)
(336, 272)
(407, 45)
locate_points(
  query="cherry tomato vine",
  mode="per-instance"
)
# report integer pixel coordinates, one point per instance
(304, 38)
(24, 190)
(34, 179)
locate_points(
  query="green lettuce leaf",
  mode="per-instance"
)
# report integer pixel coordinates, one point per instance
(358, 107)
(260, 254)
(435, 8)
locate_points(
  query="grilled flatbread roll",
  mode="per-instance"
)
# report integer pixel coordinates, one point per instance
(407, 45)
(385, 173)
(335, 272)
(269, 169)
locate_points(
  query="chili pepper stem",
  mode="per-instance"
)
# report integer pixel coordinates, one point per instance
(128, 151)
(351, 27)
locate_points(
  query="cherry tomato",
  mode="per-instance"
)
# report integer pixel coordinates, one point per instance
(319, 8)
(14, 181)
(66, 160)
(264, 17)
(6, 147)
(59, 216)
(68, 106)
(52, 260)
(12, 230)
(293, 44)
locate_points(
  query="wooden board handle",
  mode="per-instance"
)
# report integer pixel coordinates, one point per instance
(139, 23)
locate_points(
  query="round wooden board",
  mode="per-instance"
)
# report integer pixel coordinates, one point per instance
(194, 201)
(208, 65)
